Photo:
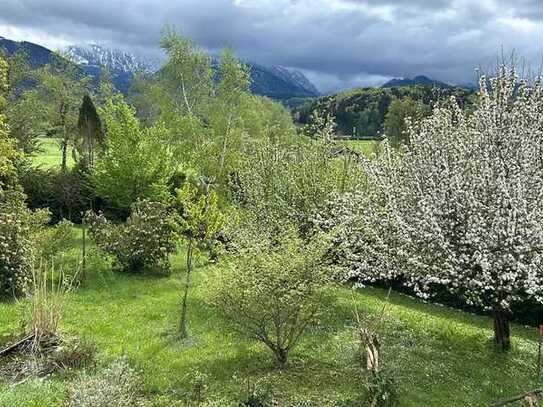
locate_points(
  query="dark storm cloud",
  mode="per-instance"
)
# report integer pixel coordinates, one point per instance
(338, 43)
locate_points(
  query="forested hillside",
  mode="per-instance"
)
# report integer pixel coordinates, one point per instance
(360, 113)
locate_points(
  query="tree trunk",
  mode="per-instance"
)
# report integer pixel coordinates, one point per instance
(84, 250)
(502, 335)
(183, 326)
(282, 357)
(224, 147)
(64, 149)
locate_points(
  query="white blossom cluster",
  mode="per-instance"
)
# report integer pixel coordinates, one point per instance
(461, 207)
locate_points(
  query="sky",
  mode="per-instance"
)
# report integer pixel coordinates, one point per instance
(338, 44)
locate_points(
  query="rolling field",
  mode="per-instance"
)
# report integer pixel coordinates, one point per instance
(366, 147)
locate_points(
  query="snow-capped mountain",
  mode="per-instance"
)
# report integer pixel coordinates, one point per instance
(276, 82)
(114, 59)
(296, 77)
(280, 83)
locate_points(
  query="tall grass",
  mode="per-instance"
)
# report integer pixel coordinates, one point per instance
(47, 299)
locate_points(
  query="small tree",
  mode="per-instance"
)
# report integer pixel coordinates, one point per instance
(25, 111)
(137, 163)
(60, 89)
(8, 152)
(187, 76)
(199, 220)
(273, 290)
(461, 206)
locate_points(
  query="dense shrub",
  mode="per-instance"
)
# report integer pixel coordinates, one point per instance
(144, 242)
(17, 224)
(292, 180)
(67, 194)
(50, 241)
(273, 290)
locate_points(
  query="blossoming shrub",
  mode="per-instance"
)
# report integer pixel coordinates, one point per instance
(143, 243)
(17, 227)
(460, 207)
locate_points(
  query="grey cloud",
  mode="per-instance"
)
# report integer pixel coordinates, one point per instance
(339, 43)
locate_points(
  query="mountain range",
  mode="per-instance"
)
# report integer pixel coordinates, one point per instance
(37, 55)
(276, 82)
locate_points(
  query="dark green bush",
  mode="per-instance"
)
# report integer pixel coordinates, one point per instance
(67, 194)
(143, 243)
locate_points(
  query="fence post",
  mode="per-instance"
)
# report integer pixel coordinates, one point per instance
(540, 352)
(84, 254)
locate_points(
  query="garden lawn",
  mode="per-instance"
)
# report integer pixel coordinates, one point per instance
(442, 356)
(48, 155)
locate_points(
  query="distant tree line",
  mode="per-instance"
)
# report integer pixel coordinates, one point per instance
(362, 113)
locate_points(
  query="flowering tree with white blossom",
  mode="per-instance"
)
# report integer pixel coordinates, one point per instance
(461, 207)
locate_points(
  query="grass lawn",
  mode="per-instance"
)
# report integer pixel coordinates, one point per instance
(365, 147)
(443, 356)
(48, 155)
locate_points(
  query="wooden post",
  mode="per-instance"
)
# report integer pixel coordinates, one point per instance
(540, 352)
(84, 254)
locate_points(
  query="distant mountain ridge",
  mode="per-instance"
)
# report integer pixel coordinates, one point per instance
(114, 59)
(37, 55)
(276, 82)
(280, 83)
(417, 80)
(296, 78)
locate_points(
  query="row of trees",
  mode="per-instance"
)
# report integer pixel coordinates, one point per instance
(364, 112)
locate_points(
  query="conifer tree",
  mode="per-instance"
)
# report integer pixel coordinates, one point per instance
(91, 138)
